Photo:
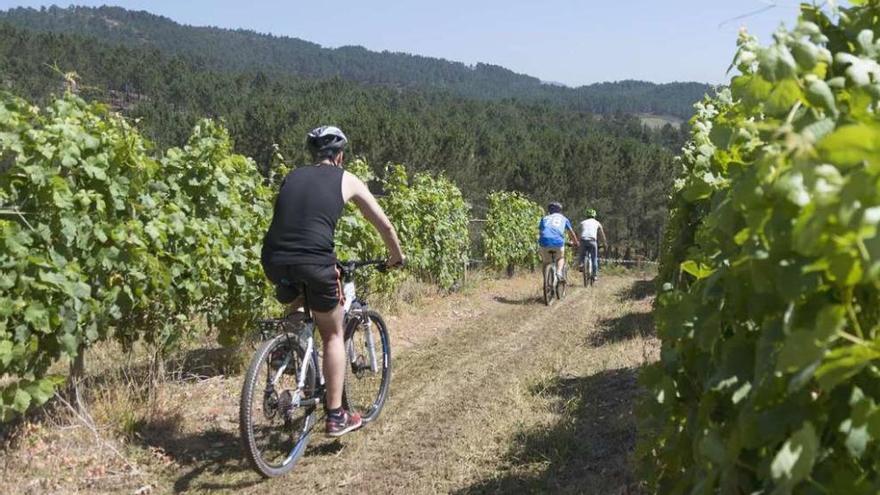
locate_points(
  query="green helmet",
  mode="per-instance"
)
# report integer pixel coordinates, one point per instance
(591, 213)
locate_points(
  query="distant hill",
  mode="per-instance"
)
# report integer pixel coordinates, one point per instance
(242, 50)
(612, 163)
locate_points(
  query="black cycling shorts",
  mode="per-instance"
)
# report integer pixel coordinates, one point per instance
(322, 283)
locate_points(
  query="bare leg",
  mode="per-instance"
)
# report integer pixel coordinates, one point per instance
(560, 264)
(330, 326)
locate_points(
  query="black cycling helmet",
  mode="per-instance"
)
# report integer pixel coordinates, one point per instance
(326, 140)
(554, 207)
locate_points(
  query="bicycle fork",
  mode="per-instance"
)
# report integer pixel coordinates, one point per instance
(369, 344)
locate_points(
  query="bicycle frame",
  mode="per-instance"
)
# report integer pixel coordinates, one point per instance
(281, 365)
(355, 313)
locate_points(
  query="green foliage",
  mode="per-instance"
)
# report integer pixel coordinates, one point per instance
(551, 152)
(511, 230)
(769, 316)
(355, 237)
(431, 219)
(99, 240)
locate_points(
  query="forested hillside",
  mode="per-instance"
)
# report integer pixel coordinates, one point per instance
(238, 50)
(612, 163)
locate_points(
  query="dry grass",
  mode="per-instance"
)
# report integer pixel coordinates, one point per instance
(492, 393)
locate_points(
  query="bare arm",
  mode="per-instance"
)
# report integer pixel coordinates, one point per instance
(353, 189)
(602, 235)
(574, 237)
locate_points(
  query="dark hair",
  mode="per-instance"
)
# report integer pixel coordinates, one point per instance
(326, 154)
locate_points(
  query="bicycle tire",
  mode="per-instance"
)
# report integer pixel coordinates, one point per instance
(561, 284)
(585, 271)
(247, 430)
(360, 381)
(549, 284)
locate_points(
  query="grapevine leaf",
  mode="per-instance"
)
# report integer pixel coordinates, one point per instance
(5, 353)
(40, 391)
(37, 315)
(21, 401)
(69, 343)
(804, 347)
(752, 89)
(698, 270)
(782, 97)
(851, 145)
(843, 363)
(712, 446)
(794, 460)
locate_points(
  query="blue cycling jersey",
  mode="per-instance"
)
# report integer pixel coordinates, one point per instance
(552, 230)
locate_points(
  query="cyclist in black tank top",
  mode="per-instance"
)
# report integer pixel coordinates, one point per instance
(306, 211)
(298, 250)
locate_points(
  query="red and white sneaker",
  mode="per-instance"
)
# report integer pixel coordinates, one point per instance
(338, 426)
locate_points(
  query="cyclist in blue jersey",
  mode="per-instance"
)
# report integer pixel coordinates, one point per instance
(551, 237)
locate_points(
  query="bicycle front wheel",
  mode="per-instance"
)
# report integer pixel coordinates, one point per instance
(549, 283)
(368, 370)
(274, 426)
(561, 283)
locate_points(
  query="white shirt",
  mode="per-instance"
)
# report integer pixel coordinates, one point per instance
(590, 229)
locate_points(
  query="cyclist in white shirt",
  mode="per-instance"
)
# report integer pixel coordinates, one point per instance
(591, 232)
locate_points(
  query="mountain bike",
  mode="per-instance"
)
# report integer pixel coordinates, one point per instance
(284, 384)
(554, 287)
(587, 270)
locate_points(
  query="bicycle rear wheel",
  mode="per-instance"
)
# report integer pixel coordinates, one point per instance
(274, 427)
(368, 371)
(549, 283)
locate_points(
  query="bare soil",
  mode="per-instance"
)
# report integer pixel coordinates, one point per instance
(492, 392)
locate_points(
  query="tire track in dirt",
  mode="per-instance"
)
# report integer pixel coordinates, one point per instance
(446, 423)
(492, 393)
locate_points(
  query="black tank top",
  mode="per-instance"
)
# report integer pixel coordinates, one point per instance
(306, 211)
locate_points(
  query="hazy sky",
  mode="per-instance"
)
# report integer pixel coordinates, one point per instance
(570, 41)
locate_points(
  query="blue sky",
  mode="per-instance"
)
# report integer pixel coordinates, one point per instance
(570, 41)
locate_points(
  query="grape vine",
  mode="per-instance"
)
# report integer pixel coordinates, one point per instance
(509, 238)
(104, 239)
(101, 240)
(431, 218)
(769, 312)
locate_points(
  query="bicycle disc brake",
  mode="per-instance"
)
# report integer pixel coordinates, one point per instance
(360, 366)
(270, 404)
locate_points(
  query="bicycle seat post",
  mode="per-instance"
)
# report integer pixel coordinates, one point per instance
(307, 308)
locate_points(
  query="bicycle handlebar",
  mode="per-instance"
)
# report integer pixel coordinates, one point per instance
(362, 263)
(381, 264)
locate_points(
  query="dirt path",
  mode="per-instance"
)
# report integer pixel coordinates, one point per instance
(492, 393)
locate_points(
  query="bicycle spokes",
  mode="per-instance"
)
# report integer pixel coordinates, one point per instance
(368, 372)
(276, 415)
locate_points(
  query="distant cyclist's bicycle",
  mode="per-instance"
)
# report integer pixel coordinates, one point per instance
(587, 270)
(585, 265)
(554, 286)
(284, 384)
